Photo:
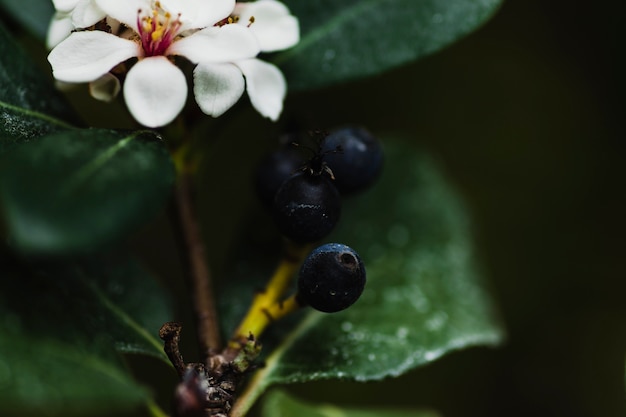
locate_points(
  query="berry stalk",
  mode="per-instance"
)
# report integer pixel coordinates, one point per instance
(267, 306)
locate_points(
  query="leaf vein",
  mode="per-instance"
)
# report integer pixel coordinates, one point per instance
(331, 24)
(36, 114)
(261, 379)
(124, 317)
(92, 166)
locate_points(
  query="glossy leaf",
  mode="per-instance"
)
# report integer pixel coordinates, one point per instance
(33, 15)
(61, 326)
(279, 404)
(77, 190)
(349, 39)
(30, 106)
(424, 297)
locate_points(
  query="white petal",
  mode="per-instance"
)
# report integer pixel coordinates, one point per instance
(217, 44)
(125, 11)
(64, 5)
(105, 88)
(273, 24)
(155, 91)
(85, 56)
(266, 86)
(60, 28)
(217, 87)
(87, 13)
(198, 14)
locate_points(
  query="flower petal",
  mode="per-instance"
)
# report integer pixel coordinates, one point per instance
(85, 56)
(87, 13)
(198, 14)
(217, 44)
(60, 28)
(217, 87)
(155, 91)
(125, 11)
(266, 86)
(64, 5)
(105, 88)
(273, 25)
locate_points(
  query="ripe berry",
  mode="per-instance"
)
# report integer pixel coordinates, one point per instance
(274, 170)
(331, 279)
(358, 161)
(306, 207)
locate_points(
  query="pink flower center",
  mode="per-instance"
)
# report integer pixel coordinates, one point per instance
(157, 30)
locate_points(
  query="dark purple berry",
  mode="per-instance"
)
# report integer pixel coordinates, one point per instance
(274, 170)
(331, 279)
(355, 157)
(306, 207)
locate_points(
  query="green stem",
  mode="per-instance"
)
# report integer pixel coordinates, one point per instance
(154, 409)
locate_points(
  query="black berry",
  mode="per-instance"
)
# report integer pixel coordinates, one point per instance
(355, 157)
(332, 278)
(306, 207)
(274, 170)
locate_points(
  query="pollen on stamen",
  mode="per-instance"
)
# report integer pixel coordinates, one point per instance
(157, 30)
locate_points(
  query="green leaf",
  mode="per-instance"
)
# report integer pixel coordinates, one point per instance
(424, 296)
(33, 15)
(279, 404)
(77, 190)
(61, 326)
(349, 39)
(30, 106)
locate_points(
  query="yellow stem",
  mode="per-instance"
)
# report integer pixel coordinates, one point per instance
(154, 409)
(268, 301)
(280, 309)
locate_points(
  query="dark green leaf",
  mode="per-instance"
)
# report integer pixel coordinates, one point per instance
(29, 104)
(77, 190)
(33, 15)
(60, 328)
(348, 39)
(279, 404)
(424, 296)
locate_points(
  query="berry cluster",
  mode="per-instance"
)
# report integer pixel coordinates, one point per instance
(304, 196)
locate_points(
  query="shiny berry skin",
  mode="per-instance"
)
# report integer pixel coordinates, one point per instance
(331, 279)
(355, 157)
(274, 170)
(306, 207)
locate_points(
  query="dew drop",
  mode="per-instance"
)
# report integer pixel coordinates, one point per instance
(436, 321)
(432, 355)
(402, 333)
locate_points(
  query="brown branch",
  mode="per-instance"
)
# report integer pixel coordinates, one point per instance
(170, 334)
(201, 285)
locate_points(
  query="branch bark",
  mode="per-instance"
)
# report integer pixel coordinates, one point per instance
(202, 293)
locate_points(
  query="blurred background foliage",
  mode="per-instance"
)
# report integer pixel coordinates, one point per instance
(526, 117)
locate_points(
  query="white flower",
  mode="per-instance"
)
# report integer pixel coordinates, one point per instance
(200, 30)
(70, 15)
(155, 90)
(275, 29)
(270, 20)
